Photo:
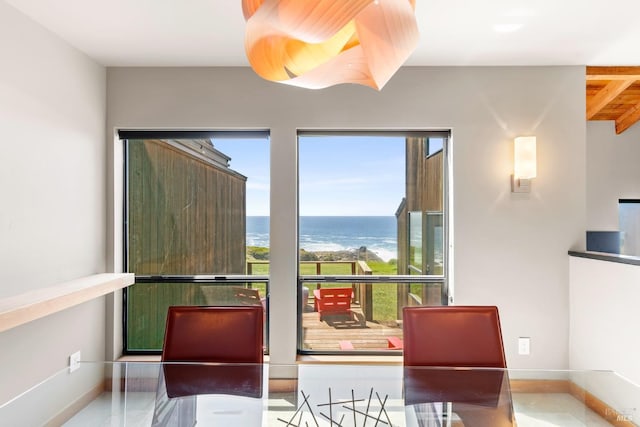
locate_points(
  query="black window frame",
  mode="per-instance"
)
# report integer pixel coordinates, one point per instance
(124, 135)
(409, 279)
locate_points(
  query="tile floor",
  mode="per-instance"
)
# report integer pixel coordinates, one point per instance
(532, 410)
(553, 409)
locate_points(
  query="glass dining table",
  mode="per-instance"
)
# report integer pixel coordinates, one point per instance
(188, 394)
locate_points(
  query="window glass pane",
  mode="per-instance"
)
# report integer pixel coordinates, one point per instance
(188, 207)
(148, 303)
(415, 243)
(369, 205)
(360, 316)
(186, 213)
(435, 243)
(250, 157)
(350, 188)
(434, 144)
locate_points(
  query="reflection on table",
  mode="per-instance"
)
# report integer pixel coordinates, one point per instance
(177, 394)
(477, 397)
(180, 386)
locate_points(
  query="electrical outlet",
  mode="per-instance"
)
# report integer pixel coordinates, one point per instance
(524, 346)
(74, 361)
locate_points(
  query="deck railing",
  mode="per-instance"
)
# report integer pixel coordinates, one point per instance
(354, 266)
(362, 292)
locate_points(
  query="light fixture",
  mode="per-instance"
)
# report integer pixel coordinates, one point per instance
(524, 164)
(315, 44)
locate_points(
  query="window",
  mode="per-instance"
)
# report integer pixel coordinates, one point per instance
(372, 236)
(629, 225)
(189, 197)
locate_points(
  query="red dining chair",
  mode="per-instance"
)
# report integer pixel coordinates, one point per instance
(214, 334)
(453, 337)
(228, 342)
(228, 335)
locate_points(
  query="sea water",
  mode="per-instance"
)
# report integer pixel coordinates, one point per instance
(335, 233)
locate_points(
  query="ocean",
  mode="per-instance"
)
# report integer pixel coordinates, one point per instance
(335, 233)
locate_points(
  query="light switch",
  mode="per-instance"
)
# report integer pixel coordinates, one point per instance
(524, 346)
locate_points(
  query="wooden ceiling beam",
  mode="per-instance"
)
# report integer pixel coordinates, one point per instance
(613, 73)
(607, 94)
(626, 120)
(613, 93)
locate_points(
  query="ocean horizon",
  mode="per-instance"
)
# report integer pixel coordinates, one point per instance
(335, 233)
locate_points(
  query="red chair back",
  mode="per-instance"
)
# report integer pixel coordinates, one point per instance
(214, 334)
(468, 336)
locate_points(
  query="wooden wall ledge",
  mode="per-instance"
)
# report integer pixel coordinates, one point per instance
(20, 309)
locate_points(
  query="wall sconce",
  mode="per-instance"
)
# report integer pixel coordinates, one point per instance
(524, 164)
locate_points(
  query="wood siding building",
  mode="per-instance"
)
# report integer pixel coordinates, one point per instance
(186, 216)
(186, 213)
(423, 201)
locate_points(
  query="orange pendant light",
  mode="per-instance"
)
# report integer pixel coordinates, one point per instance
(315, 44)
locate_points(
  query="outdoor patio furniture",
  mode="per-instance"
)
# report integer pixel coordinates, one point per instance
(332, 301)
(222, 295)
(345, 345)
(304, 296)
(395, 343)
(248, 296)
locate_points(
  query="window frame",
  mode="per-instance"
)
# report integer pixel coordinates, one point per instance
(124, 136)
(408, 279)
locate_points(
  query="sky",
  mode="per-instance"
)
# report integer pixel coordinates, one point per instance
(338, 175)
(250, 157)
(350, 175)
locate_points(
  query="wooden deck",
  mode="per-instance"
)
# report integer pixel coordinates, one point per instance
(327, 334)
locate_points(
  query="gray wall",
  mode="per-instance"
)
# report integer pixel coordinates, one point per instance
(52, 193)
(613, 172)
(509, 249)
(604, 316)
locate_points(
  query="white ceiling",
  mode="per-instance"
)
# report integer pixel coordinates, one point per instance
(452, 32)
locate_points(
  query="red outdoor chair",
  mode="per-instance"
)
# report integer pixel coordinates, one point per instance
(332, 301)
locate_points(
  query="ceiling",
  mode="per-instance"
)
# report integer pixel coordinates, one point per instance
(452, 32)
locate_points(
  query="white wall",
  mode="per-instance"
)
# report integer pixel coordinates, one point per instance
(604, 316)
(510, 249)
(52, 193)
(612, 172)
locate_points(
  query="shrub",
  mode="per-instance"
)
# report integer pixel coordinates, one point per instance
(257, 252)
(307, 256)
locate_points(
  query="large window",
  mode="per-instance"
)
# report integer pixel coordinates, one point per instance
(192, 199)
(372, 236)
